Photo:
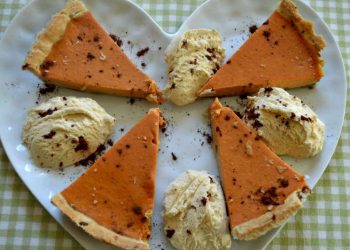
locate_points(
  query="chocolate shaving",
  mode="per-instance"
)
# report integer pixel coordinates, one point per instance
(90, 56)
(304, 118)
(266, 34)
(46, 65)
(204, 201)
(25, 66)
(252, 29)
(142, 52)
(284, 183)
(47, 112)
(169, 233)
(137, 210)
(82, 223)
(92, 158)
(173, 156)
(49, 135)
(116, 39)
(82, 144)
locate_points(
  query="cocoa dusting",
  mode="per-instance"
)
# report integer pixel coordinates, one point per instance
(142, 52)
(206, 135)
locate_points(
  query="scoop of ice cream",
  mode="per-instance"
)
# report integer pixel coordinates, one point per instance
(193, 58)
(286, 123)
(195, 213)
(65, 130)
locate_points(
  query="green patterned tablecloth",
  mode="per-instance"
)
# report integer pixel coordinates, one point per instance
(324, 223)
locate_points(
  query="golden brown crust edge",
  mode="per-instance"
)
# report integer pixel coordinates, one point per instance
(96, 230)
(52, 33)
(306, 28)
(257, 227)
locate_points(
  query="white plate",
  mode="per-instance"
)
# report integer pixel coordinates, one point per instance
(232, 19)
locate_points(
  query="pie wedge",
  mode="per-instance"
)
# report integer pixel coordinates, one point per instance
(261, 190)
(284, 52)
(113, 199)
(74, 51)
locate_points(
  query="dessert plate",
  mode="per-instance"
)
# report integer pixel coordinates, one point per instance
(187, 126)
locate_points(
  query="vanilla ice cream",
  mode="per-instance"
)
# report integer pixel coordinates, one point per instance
(65, 130)
(195, 213)
(193, 58)
(286, 123)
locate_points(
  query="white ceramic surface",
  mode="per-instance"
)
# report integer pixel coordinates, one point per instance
(18, 93)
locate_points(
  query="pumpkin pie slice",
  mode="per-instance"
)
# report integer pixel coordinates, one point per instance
(74, 51)
(113, 199)
(261, 190)
(284, 52)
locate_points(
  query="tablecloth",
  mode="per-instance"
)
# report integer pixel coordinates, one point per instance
(324, 223)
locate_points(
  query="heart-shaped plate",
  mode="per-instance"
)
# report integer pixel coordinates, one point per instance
(184, 136)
